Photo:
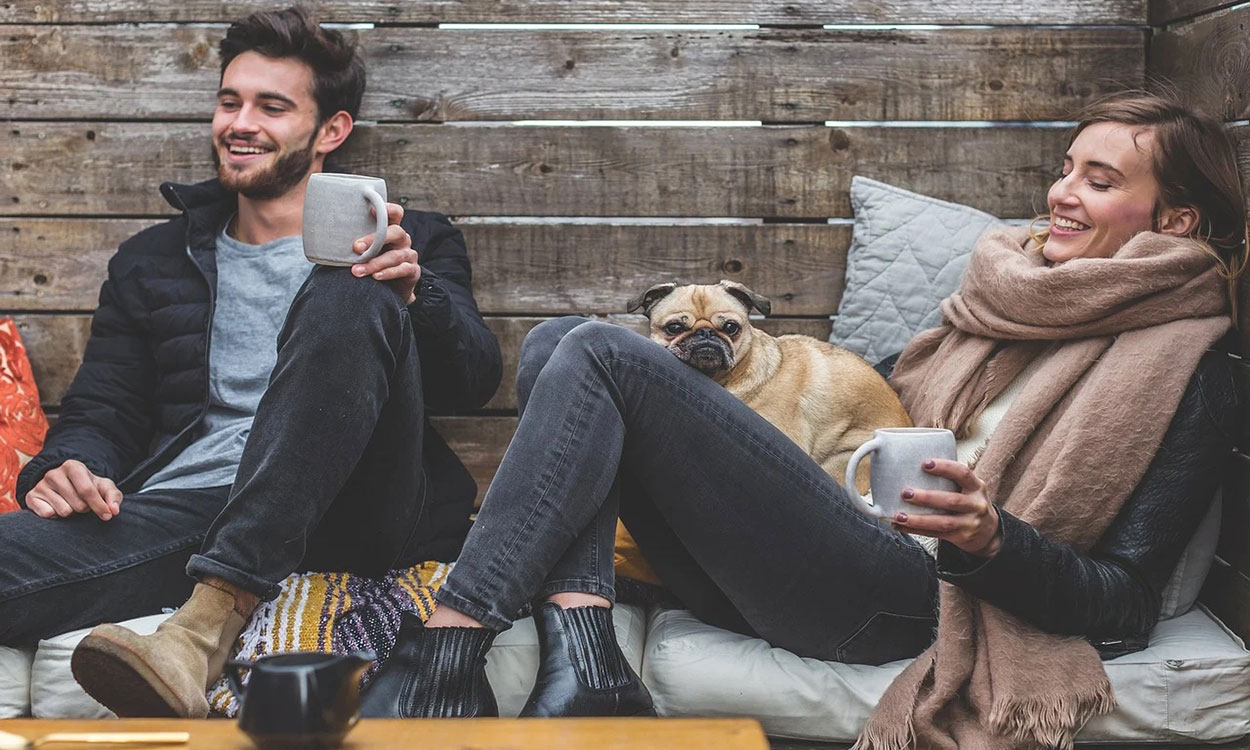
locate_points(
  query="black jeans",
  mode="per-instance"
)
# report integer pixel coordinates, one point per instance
(744, 527)
(331, 479)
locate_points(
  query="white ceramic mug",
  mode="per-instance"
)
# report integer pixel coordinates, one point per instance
(336, 214)
(898, 456)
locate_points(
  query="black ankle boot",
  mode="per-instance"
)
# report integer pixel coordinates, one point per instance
(432, 673)
(581, 670)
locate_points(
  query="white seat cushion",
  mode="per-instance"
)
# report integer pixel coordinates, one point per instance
(1192, 684)
(53, 692)
(15, 681)
(511, 666)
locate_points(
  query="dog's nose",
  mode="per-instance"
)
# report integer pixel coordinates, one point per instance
(707, 333)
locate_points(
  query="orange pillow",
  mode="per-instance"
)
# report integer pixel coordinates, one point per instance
(22, 423)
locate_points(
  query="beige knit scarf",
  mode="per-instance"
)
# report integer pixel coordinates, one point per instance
(1119, 339)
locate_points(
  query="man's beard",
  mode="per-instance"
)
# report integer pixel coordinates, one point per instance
(285, 173)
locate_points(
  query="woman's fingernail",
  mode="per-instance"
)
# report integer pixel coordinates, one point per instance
(900, 517)
(908, 494)
(360, 245)
(930, 464)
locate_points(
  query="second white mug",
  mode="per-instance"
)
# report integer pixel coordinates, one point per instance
(898, 455)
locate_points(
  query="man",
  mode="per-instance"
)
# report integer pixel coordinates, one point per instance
(186, 429)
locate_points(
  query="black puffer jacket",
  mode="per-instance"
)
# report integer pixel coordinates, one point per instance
(143, 385)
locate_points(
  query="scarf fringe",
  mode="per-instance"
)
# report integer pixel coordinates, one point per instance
(1053, 720)
(897, 737)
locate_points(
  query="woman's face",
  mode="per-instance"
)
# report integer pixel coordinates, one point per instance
(1106, 194)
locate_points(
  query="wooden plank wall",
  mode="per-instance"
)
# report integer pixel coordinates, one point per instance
(740, 170)
(1203, 46)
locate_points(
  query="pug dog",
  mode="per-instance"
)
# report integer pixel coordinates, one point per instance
(825, 398)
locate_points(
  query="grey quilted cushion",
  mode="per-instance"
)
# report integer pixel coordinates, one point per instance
(907, 253)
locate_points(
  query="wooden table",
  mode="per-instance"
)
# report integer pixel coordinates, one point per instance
(443, 734)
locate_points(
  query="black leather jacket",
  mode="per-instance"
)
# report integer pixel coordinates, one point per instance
(1112, 593)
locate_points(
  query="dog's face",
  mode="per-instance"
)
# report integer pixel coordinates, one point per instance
(704, 325)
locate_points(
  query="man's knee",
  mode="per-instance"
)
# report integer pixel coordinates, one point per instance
(335, 291)
(334, 302)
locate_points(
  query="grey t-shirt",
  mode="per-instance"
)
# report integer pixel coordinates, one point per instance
(255, 287)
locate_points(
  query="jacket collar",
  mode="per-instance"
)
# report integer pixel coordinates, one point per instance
(207, 206)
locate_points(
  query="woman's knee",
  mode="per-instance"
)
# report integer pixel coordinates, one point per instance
(537, 348)
(543, 338)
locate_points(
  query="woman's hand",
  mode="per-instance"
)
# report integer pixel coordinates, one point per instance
(973, 524)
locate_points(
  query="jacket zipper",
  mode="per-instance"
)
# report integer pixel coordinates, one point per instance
(208, 340)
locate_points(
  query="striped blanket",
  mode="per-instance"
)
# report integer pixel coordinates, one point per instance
(336, 613)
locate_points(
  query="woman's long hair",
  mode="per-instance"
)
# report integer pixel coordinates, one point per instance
(1195, 164)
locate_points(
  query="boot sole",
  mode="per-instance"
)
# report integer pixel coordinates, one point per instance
(118, 678)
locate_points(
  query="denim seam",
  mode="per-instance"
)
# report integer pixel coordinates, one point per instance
(560, 586)
(868, 622)
(718, 416)
(549, 481)
(211, 567)
(466, 606)
(102, 570)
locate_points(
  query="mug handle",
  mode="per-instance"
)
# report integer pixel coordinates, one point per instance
(379, 234)
(236, 681)
(851, 466)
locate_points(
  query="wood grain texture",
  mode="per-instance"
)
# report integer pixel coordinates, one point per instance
(808, 75)
(496, 170)
(55, 344)
(804, 12)
(1208, 60)
(518, 269)
(1163, 12)
(449, 734)
(58, 264)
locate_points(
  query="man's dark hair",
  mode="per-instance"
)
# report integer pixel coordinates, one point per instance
(338, 72)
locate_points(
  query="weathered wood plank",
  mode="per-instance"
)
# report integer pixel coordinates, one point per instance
(480, 443)
(55, 344)
(590, 268)
(497, 170)
(58, 264)
(1227, 594)
(1209, 60)
(803, 12)
(1163, 12)
(55, 72)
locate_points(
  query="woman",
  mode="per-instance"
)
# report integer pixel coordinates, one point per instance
(1095, 334)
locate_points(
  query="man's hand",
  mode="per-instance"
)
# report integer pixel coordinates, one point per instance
(397, 263)
(72, 488)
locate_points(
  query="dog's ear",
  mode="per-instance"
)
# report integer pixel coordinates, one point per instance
(647, 299)
(748, 297)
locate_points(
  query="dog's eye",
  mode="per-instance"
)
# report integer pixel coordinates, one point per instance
(731, 327)
(674, 328)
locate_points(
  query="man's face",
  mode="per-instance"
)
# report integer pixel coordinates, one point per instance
(265, 128)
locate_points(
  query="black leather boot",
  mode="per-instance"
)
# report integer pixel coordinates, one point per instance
(432, 673)
(581, 670)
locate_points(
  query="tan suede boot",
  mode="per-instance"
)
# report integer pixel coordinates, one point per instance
(165, 674)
